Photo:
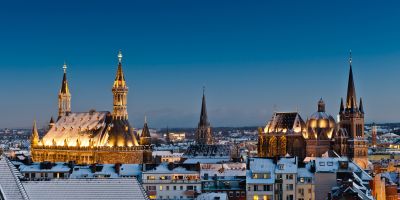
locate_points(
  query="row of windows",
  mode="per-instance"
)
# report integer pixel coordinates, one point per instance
(161, 187)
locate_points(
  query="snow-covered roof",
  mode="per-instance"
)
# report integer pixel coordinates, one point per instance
(82, 126)
(163, 168)
(212, 196)
(225, 169)
(286, 165)
(10, 185)
(35, 167)
(166, 154)
(108, 170)
(207, 160)
(127, 188)
(261, 165)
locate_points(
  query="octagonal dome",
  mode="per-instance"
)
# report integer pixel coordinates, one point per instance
(320, 125)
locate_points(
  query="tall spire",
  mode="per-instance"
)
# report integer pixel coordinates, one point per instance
(119, 78)
(120, 92)
(351, 90)
(64, 96)
(64, 83)
(203, 114)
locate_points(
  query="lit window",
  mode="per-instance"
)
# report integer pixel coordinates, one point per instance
(255, 197)
(161, 187)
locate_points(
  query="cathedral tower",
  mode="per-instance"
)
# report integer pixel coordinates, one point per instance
(352, 120)
(120, 92)
(64, 96)
(203, 132)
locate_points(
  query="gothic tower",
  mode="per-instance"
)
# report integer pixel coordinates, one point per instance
(203, 132)
(64, 96)
(352, 120)
(120, 92)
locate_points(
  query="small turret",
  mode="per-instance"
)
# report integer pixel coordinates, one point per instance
(51, 123)
(341, 106)
(361, 106)
(145, 138)
(34, 135)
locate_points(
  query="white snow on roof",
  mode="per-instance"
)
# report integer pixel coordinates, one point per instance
(163, 168)
(206, 160)
(286, 165)
(212, 196)
(85, 189)
(226, 169)
(261, 165)
(10, 186)
(35, 167)
(107, 170)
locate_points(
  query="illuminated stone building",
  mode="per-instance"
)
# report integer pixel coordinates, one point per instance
(285, 133)
(94, 136)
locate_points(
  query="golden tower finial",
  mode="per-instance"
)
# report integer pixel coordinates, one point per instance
(65, 67)
(120, 56)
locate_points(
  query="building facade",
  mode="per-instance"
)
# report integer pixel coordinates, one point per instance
(286, 133)
(94, 136)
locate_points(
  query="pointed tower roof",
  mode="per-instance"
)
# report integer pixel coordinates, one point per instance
(203, 114)
(51, 120)
(119, 78)
(361, 106)
(145, 131)
(35, 132)
(341, 106)
(64, 83)
(351, 90)
(321, 105)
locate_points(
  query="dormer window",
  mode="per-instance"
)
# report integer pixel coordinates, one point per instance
(280, 166)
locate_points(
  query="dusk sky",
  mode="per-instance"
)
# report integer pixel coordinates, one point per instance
(252, 57)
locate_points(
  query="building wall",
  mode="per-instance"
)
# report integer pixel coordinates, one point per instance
(90, 156)
(260, 191)
(159, 186)
(323, 184)
(305, 191)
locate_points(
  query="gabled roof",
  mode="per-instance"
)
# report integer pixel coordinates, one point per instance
(284, 121)
(10, 185)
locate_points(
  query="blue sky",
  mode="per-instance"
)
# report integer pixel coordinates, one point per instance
(251, 56)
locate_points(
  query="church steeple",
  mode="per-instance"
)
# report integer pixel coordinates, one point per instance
(203, 133)
(120, 92)
(203, 114)
(34, 135)
(351, 100)
(64, 96)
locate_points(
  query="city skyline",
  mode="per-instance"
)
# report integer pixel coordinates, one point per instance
(252, 59)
